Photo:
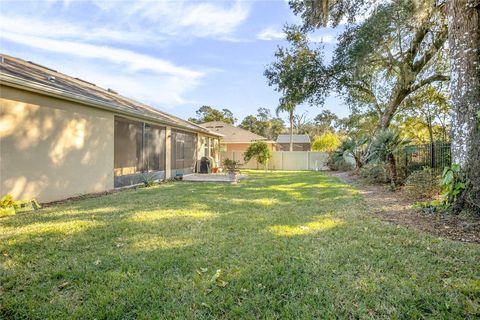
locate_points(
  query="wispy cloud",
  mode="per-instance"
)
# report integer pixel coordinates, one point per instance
(58, 29)
(330, 39)
(110, 44)
(131, 60)
(183, 18)
(140, 76)
(270, 33)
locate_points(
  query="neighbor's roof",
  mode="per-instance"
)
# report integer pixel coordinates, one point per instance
(232, 134)
(30, 76)
(296, 138)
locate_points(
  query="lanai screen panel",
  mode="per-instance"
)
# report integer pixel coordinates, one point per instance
(128, 142)
(154, 148)
(184, 148)
(138, 147)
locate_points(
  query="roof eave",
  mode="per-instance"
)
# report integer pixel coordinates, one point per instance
(60, 94)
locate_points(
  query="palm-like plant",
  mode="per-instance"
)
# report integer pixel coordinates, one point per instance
(288, 107)
(350, 147)
(385, 146)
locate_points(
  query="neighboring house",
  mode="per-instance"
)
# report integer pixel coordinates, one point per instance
(62, 136)
(235, 140)
(301, 142)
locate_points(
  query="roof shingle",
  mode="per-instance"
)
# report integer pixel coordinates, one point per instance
(232, 134)
(29, 73)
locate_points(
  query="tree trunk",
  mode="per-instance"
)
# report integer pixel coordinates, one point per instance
(358, 161)
(291, 131)
(464, 44)
(393, 171)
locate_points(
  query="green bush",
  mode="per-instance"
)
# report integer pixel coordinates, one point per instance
(231, 166)
(422, 184)
(452, 184)
(375, 173)
(258, 151)
(337, 163)
(148, 179)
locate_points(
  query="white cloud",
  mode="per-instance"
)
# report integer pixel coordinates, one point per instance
(152, 89)
(141, 76)
(183, 18)
(271, 33)
(329, 39)
(65, 30)
(132, 60)
(98, 44)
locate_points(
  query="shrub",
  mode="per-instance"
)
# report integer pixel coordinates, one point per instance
(231, 166)
(260, 151)
(148, 179)
(452, 184)
(375, 173)
(338, 163)
(422, 184)
(385, 146)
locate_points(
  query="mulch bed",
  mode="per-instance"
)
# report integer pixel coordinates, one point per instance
(397, 208)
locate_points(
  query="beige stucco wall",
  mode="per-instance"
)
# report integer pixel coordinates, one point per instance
(51, 149)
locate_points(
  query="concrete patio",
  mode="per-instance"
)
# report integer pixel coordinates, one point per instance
(210, 177)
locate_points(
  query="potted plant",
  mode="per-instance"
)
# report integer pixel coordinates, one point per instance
(232, 167)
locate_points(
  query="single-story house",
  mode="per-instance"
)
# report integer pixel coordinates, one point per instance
(235, 141)
(62, 136)
(301, 142)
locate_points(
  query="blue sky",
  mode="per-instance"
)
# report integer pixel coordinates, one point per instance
(172, 55)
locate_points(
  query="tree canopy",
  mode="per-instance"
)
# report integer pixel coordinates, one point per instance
(207, 114)
(327, 142)
(264, 124)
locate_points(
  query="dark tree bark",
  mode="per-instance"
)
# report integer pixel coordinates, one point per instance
(358, 161)
(392, 164)
(464, 43)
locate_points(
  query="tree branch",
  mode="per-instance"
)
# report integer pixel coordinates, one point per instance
(437, 44)
(435, 77)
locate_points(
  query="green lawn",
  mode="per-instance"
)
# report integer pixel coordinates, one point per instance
(289, 245)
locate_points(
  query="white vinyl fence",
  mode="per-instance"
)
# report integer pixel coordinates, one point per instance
(286, 160)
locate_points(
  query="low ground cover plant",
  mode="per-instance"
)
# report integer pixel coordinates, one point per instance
(422, 184)
(375, 173)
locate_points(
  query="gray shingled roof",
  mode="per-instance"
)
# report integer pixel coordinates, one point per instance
(232, 134)
(297, 138)
(31, 75)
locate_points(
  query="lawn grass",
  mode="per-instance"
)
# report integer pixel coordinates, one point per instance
(289, 245)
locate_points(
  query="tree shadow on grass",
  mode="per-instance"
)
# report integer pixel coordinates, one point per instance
(153, 253)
